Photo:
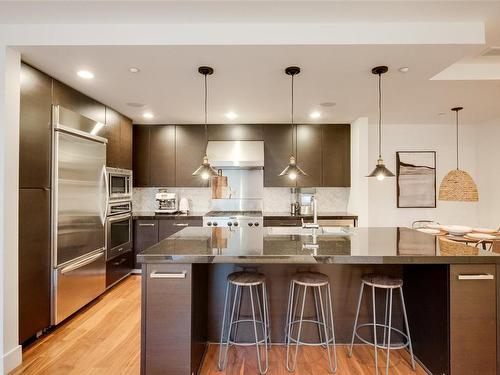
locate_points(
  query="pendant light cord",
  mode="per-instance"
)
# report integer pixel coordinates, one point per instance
(457, 136)
(206, 99)
(380, 116)
(292, 117)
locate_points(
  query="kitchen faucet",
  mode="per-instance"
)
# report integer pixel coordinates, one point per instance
(314, 224)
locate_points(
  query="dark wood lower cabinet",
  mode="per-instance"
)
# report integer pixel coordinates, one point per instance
(173, 323)
(119, 267)
(34, 262)
(145, 235)
(473, 330)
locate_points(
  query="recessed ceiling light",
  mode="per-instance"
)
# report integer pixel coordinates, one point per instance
(134, 69)
(135, 105)
(327, 104)
(231, 115)
(148, 115)
(315, 115)
(404, 69)
(85, 74)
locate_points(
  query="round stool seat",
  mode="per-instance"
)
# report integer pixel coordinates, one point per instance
(310, 278)
(245, 278)
(382, 281)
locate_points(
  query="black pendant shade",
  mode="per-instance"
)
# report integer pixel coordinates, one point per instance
(292, 170)
(205, 170)
(380, 171)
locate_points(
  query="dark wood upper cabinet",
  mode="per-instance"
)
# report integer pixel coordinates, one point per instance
(235, 132)
(277, 151)
(309, 147)
(126, 137)
(162, 155)
(74, 100)
(336, 155)
(35, 129)
(141, 156)
(112, 133)
(190, 147)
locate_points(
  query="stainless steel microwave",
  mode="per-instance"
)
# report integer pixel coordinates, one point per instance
(120, 184)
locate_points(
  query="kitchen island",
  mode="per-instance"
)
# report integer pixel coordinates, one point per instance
(453, 322)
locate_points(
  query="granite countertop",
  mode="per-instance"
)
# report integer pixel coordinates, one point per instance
(321, 215)
(151, 215)
(329, 245)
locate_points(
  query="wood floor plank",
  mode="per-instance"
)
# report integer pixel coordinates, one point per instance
(104, 339)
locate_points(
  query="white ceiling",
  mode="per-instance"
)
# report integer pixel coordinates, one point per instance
(250, 81)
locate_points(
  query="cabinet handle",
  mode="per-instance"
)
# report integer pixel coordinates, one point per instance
(123, 260)
(481, 276)
(147, 225)
(168, 275)
(181, 225)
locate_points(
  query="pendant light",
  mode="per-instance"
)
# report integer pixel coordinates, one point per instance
(458, 185)
(380, 171)
(205, 170)
(292, 170)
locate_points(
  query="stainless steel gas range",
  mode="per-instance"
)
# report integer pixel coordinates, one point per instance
(226, 219)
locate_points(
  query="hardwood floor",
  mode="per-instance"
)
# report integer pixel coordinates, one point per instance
(311, 361)
(104, 338)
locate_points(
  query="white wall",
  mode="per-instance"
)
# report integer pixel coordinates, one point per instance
(383, 209)
(358, 199)
(488, 170)
(9, 171)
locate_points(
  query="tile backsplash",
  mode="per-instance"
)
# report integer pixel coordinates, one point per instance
(275, 199)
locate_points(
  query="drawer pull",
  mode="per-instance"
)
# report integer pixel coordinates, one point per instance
(147, 225)
(168, 275)
(481, 276)
(181, 225)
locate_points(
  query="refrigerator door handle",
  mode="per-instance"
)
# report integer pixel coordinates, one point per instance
(106, 195)
(81, 263)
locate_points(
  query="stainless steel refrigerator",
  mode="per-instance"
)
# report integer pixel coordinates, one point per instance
(79, 203)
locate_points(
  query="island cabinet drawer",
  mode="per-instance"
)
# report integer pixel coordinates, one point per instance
(473, 324)
(169, 227)
(166, 323)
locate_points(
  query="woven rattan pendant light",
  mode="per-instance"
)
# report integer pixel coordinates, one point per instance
(458, 185)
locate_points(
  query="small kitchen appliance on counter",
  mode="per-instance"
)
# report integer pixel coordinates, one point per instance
(184, 205)
(306, 200)
(167, 202)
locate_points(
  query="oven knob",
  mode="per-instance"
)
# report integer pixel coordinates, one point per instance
(209, 223)
(250, 224)
(229, 224)
(256, 224)
(236, 224)
(215, 223)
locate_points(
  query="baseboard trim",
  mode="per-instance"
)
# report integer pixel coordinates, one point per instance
(12, 359)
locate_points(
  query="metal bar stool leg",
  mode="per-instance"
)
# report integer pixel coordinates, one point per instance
(407, 328)
(356, 319)
(224, 313)
(386, 316)
(224, 363)
(257, 346)
(325, 326)
(318, 316)
(389, 334)
(266, 312)
(291, 369)
(330, 306)
(374, 328)
(238, 313)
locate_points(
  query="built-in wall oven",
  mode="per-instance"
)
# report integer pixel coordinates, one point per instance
(119, 254)
(120, 184)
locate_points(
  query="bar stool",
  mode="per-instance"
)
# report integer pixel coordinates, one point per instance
(319, 283)
(236, 284)
(389, 284)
